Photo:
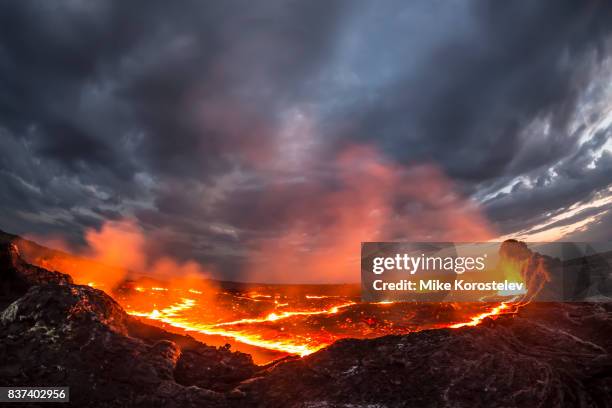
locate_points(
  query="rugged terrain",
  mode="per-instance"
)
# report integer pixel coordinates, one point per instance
(53, 332)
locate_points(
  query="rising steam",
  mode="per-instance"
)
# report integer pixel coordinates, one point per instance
(373, 200)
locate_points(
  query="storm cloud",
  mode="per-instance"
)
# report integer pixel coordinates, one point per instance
(218, 126)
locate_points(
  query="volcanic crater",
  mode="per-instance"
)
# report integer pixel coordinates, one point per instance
(114, 353)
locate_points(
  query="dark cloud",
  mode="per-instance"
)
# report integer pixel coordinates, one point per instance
(574, 182)
(473, 92)
(212, 122)
(596, 231)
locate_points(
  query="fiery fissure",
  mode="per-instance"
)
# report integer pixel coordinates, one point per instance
(476, 320)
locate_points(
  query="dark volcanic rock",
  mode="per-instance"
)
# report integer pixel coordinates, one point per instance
(77, 335)
(58, 333)
(16, 276)
(549, 355)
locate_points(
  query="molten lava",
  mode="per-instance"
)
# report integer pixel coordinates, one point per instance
(476, 320)
(291, 323)
(173, 315)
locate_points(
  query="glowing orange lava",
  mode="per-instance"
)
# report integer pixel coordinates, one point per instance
(171, 315)
(476, 320)
(250, 330)
(284, 315)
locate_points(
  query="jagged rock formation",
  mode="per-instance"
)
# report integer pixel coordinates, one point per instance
(58, 333)
(16, 276)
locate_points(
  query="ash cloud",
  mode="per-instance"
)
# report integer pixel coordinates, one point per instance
(215, 124)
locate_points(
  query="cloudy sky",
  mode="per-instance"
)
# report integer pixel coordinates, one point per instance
(233, 132)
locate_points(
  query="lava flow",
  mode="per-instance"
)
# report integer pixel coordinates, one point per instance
(476, 320)
(277, 321)
(173, 315)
